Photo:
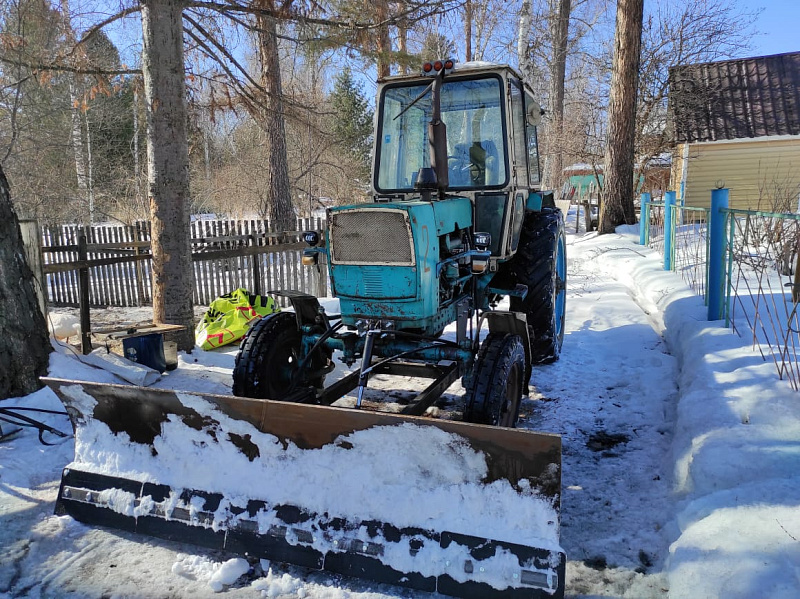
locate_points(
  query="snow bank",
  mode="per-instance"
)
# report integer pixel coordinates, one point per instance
(736, 448)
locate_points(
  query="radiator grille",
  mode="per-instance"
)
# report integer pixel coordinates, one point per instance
(371, 236)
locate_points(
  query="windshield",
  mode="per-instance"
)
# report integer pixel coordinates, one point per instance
(472, 112)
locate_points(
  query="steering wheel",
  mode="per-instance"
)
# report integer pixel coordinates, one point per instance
(458, 169)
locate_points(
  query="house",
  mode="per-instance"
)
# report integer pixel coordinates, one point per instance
(736, 124)
(583, 183)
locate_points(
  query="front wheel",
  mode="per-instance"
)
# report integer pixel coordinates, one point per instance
(268, 359)
(495, 388)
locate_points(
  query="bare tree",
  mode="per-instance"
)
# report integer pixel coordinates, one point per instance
(681, 33)
(617, 205)
(279, 201)
(468, 30)
(524, 57)
(24, 344)
(560, 30)
(168, 165)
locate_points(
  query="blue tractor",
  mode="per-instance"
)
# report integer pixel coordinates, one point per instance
(457, 223)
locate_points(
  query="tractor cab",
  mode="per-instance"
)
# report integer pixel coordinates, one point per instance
(487, 144)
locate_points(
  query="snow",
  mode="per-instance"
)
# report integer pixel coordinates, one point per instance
(681, 454)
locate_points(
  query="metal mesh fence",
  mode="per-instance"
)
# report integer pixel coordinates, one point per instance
(690, 246)
(763, 288)
(656, 238)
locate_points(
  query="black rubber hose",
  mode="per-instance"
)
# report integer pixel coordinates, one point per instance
(12, 416)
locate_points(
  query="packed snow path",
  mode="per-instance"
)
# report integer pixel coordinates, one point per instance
(630, 449)
(611, 397)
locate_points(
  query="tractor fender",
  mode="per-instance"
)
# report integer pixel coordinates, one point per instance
(306, 307)
(516, 323)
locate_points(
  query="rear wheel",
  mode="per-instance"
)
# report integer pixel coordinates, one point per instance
(541, 265)
(495, 388)
(268, 358)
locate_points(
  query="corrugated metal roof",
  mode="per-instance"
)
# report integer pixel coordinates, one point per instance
(736, 99)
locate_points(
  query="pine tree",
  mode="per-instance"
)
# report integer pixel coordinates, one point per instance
(617, 205)
(352, 124)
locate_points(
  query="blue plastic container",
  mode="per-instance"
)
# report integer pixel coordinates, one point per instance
(147, 350)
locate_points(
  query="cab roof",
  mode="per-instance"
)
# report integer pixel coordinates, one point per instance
(462, 68)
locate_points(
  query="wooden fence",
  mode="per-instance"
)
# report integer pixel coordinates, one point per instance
(226, 254)
(32, 243)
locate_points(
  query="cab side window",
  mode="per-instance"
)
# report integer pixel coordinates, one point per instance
(535, 175)
(518, 131)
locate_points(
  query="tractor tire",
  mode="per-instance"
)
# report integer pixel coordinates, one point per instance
(495, 388)
(541, 265)
(268, 357)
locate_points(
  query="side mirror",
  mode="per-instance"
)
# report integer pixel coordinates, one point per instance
(534, 112)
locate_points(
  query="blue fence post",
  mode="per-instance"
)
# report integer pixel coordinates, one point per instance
(716, 255)
(669, 229)
(644, 219)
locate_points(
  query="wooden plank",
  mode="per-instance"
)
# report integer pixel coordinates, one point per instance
(103, 273)
(58, 279)
(255, 262)
(209, 268)
(32, 243)
(281, 270)
(138, 266)
(74, 283)
(131, 270)
(231, 263)
(56, 248)
(148, 265)
(59, 258)
(192, 236)
(202, 267)
(86, 327)
(119, 270)
(216, 266)
(107, 270)
(67, 277)
(112, 279)
(240, 259)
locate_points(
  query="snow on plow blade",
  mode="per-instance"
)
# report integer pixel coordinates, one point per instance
(461, 509)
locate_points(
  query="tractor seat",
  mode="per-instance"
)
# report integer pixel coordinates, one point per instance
(483, 160)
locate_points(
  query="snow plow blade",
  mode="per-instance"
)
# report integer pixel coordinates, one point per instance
(229, 473)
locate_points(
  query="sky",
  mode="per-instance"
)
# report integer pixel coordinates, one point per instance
(777, 25)
(680, 461)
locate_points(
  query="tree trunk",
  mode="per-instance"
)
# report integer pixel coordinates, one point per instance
(24, 342)
(523, 34)
(76, 109)
(616, 207)
(279, 198)
(76, 138)
(467, 31)
(383, 43)
(560, 29)
(168, 165)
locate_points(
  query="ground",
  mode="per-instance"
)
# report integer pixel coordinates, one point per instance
(679, 460)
